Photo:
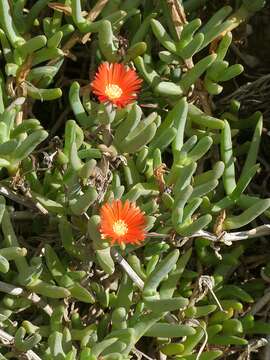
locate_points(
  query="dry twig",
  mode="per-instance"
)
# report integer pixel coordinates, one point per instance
(18, 291)
(12, 195)
(7, 339)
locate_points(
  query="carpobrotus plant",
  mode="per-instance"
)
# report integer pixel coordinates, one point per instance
(124, 212)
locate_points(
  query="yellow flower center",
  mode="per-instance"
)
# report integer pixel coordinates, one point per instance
(120, 228)
(113, 91)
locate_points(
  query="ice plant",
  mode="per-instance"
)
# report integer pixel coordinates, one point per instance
(116, 84)
(122, 222)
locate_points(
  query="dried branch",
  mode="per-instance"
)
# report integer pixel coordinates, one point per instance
(127, 268)
(92, 15)
(260, 303)
(7, 339)
(225, 237)
(18, 291)
(178, 15)
(77, 36)
(12, 195)
(254, 346)
(132, 274)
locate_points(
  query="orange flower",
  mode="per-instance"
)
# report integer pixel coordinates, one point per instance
(116, 83)
(122, 222)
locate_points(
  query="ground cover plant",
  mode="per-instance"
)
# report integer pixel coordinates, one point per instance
(131, 223)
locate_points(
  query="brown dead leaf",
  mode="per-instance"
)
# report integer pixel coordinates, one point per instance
(60, 7)
(218, 226)
(63, 8)
(159, 176)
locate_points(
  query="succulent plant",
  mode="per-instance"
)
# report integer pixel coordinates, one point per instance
(85, 273)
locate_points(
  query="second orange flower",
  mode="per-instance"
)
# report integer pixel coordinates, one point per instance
(122, 222)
